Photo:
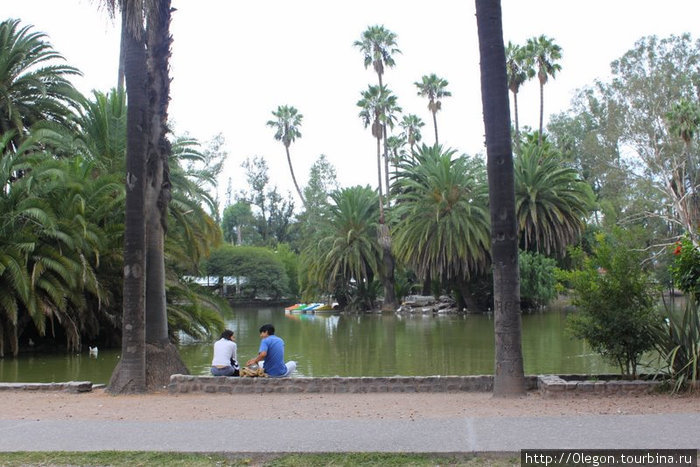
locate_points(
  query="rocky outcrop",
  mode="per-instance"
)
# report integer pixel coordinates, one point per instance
(429, 305)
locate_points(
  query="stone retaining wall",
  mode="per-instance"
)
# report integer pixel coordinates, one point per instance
(70, 386)
(556, 386)
(232, 385)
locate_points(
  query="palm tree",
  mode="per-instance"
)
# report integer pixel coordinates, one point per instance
(375, 103)
(286, 125)
(411, 125)
(395, 145)
(544, 53)
(34, 85)
(378, 45)
(349, 252)
(442, 229)
(519, 70)
(551, 201)
(433, 87)
(509, 379)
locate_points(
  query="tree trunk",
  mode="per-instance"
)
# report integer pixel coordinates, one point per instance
(509, 379)
(162, 357)
(435, 126)
(379, 179)
(122, 51)
(388, 265)
(294, 179)
(539, 137)
(386, 168)
(517, 127)
(130, 374)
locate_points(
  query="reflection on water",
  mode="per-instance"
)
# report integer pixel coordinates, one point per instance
(327, 344)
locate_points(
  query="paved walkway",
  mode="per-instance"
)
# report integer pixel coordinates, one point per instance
(498, 434)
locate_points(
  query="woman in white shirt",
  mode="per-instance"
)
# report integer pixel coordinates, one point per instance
(225, 361)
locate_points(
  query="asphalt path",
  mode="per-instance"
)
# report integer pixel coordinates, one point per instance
(459, 434)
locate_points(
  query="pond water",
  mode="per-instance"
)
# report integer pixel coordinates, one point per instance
(329, 344)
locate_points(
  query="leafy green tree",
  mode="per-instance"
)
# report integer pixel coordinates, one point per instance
(286, 126)
(442, 226)
(648, 81)
(589, 138)
(260, 270)
(509, 379)
(551, 201)
(34, 84)
(615, 304)
(433, 87)
(544, 52)
(237, 219)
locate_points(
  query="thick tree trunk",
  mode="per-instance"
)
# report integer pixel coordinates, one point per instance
(162, 357)
(130, 374)
(509, 377)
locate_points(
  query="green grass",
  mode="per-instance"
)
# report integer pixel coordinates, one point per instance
(136, 459)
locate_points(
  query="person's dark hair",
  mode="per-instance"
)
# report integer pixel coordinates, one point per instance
(227, 334)
(270, 329)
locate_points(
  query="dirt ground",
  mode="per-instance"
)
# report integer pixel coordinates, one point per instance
(23, 405)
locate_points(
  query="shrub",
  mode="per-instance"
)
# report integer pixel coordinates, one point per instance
(615, 304)
(685, 269)
(678, 343)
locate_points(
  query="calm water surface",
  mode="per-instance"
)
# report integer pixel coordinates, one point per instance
(327, 344)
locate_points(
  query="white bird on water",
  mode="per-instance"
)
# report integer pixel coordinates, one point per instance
(93, 351)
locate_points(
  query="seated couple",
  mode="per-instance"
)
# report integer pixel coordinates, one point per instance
(271, 352)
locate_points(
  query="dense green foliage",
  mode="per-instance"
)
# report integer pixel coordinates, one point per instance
(537, 280)
(615, 303)
(258, 271)
(685, 269)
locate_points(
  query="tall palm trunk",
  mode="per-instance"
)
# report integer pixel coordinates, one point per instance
(161, 356)
(517, 126)
(539, 137)
(509, 377)
(130, 374)
(379, 175)
(434, 112)
(294, 179)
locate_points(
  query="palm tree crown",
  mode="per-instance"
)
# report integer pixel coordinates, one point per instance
(378, 45)
(551, 201)
(443, 218)
(433, 87)
(286, 125)
(411, 125)
(33, 87)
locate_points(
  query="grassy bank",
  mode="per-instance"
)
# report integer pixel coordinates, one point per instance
(132, 459)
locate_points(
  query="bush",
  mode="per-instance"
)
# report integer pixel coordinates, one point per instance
(685, 269)
(678, 343)
(615, 304)
(537, 281)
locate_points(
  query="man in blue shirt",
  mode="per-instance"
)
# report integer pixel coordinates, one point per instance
(272, 351)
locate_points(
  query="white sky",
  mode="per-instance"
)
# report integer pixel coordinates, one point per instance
(234, 62)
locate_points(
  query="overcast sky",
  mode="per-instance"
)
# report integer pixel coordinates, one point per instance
(234, 62)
